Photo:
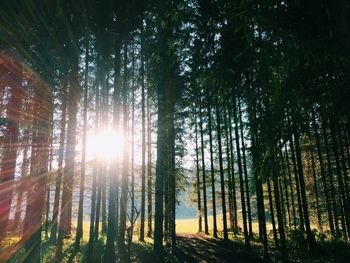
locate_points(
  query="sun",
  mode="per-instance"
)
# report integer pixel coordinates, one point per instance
(106, 144)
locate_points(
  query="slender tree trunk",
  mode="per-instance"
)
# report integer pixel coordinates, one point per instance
(240, 172)
(132, 194)
(233, 179)
(291, 187)
(90, 250)
(279, 211)
(172, 181)
(79, 233)
(212, 170)
(66, 210)
(39, 168)
(341, 185)
(285, 184)
(322, 171)
(59, 175)
(222, 179)
(228, 157)
(330, 175)
(116, 125)
(198, 183)
(24, 173)
(143, 150)
(47, 208)
(245, 172)
(125, 168)
(10, 141)
(297, 184)
(149, 170)
(318, 211)
(275, 238)
(310, 237)
(205, 207)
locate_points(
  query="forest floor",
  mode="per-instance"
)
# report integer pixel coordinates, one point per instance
(202, 248)
(191, 247)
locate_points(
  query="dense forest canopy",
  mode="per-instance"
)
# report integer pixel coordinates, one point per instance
(112, 111)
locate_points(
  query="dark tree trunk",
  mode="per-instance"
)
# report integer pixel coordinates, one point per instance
(125, 168)
(149, 171)
(297, 184)
(233, 179)
(291, 187)
(317, 197)
(310, 237)
(240, 173)
(322, 171)
(59, 175)
(24, 173)
(279, 211)
(222, 179)
(93, 191)
(66, 209)
(199, 208)
(10, 141)
(79, 233)
(143, 150)
(212, 171)
(38, 172)
(330, 175)
(272, 213)
(341, 184)
(205, 207)
(250, 226)
(285, 184)
(228, 158)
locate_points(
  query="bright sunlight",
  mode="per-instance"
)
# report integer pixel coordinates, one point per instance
(106, 144)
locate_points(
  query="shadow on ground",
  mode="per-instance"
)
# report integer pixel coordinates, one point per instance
(201, 248)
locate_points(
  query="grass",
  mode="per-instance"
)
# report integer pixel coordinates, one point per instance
(332, 250)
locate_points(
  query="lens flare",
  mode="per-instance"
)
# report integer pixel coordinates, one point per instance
(107, 144)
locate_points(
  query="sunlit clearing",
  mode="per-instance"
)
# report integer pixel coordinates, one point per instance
(106, 144)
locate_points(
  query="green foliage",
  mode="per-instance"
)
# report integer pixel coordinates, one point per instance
(297, 240)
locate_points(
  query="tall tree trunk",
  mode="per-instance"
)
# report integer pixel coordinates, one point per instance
(317, 197)
(10, 141)
(130, 230)
(330, 175)
(149, 170)
(48, 194)
(198, 183)
(90, 250)
(222, 179)
(59, 175)
(66, 209)
(212, 170)
(291, 187)
(233, 179)
(24, 173)
(310, 237)
(205, 207)
(79, 233)
(125, 168)
(341, 184)
(240, 172)
(279, 210)
(285, 184)
(245, 172)
(322, 171)
(38, 173)
(143, 146)
(297, 183)
(228, 157)
(272, 213)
